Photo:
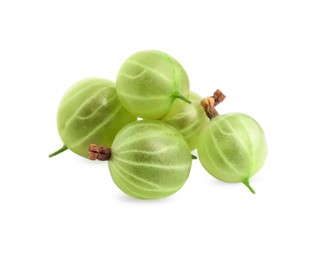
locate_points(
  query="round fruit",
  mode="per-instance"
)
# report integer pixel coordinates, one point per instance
(189, 121)
(149, 160)
(151, 84)
(90, 112)
(232, 148)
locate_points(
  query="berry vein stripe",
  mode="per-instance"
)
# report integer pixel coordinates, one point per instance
(147, 125)
(98, 127)
(221, 154)
(190, 128)
(152, 165)
(120, 169)
(121, 183)
(251, 153)
(192, 131)
(232, 133)
(214, 163)
(183, 114)
(135, 151)
(119, 177)
(149, 69)
(78, 93)
(176, 74)
(77, 111)
(135, 139)
(132, 76)
(141, 97)
(97, 109)
(139, 132)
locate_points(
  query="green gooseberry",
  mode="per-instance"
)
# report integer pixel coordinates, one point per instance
(148, 159)
(151, 84)
(190, 120)
(90, 112)
(232, 148)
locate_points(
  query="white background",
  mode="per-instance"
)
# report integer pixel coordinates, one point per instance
(261, 54)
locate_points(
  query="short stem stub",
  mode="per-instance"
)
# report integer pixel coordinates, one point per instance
(180, 96)
(209, 103)
(218, 97)
(100, 153)
(246, 183)
(64, 148)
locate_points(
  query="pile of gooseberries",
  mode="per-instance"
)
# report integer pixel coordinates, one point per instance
(148, 122)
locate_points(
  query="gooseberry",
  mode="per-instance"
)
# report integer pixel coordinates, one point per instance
(90, 112)
(151, 84)
(232, 148)
(189, 120)
(148, 159)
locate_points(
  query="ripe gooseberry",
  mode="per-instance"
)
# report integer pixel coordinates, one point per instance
(148, 159)
(189, 120)
(151, 84)
(90, 112)
(232, 148)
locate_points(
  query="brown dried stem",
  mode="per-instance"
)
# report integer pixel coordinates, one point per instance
(100, 153)
(209, 103)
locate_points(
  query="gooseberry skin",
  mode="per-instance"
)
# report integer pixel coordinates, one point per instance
(149, 160)
(232, 148)
(190, 120)
(151, 84)
(90, 112)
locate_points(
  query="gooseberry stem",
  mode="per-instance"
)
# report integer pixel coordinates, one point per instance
(246, 183)
(100, 153)
(64, 148)
(180, 96)
(209, 103)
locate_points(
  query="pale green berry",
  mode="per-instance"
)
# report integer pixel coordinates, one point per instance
(151, 84)
(90, 112)
(149, 160)
(232, 148)
(190, 120)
